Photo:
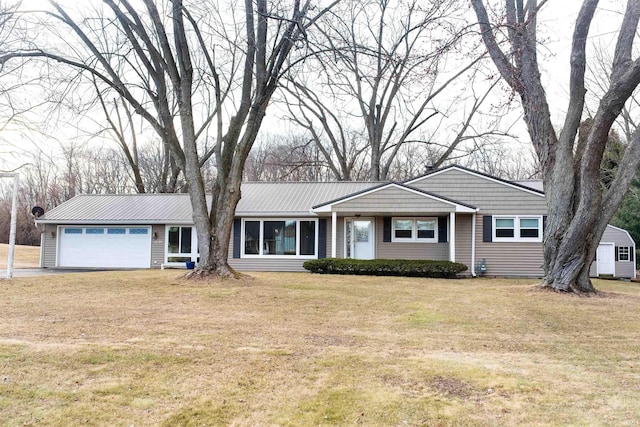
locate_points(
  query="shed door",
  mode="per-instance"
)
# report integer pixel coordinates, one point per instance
(605, 259)
(104, 247)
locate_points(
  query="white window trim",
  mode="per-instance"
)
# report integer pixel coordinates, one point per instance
(414, 230)
(516, 228)
(261, 246)
(628, 254)
(194, 246)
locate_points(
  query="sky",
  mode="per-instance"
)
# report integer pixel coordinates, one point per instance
(556, 25)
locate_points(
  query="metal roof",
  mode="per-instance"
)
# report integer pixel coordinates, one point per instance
(258, 199)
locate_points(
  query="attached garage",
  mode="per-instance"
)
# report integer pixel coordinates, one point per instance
(104, 247)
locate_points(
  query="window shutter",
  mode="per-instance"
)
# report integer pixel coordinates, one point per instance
(442, 229)
(487, 228)
(237, 226)
(386, 229)
(322, 238)
(617, 254)
(544, 223)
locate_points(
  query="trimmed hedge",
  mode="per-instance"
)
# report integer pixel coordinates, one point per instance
(385, 267)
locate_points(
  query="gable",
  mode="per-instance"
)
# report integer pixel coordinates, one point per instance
(488, 194)
(393, 198)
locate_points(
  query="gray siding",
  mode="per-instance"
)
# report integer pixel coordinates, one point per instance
(624, 269)
(509, 258)
(463, 241)
(157, 245)
(491, 197)
(408, 250)
(393, 199)
(49, 246)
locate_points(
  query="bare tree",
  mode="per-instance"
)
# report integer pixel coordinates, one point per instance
(186, 68)
(389, 69)
(579, 209)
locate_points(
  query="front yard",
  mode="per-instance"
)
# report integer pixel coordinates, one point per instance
(146, 348)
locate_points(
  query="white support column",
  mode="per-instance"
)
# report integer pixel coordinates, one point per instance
(452, 236)
(334, 234)
(12, 227)
(473, 245)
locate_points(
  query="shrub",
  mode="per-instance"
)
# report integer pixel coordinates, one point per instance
(385, 267)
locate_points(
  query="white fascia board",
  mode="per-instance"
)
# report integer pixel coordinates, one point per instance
(488, 178)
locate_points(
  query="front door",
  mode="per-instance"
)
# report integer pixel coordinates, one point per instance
(360, 238)
(605, 259)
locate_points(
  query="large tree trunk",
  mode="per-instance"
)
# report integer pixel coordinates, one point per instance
(578, 207)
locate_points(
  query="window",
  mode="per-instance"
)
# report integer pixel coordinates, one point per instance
(95, 230)
(415, 230)
(116, 231)
(179, 243)
(624, 254)
(138, 231)
(288, 238)
(73, 231)
(517, 228)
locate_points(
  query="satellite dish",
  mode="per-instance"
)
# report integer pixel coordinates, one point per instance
(37, 211)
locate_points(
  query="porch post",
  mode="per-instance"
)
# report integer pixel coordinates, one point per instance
(452, 236)
(473, 245)
(334, 233)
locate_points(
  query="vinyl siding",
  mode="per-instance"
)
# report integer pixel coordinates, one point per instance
(490, 197)
(509, 258)
(396, 200)
(463, 241)
(157, 245)
(49, 246)
(408, 250)
(619, 238)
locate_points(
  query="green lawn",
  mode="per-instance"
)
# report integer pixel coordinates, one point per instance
(147, 348)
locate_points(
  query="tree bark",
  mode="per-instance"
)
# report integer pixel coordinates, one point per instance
(578, 207)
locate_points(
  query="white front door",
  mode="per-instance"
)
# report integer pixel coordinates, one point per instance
(360, 238)
(605, 259)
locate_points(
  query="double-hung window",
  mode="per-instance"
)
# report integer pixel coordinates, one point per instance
(517, 228)
(624, 253)
(280, 238)
(414, 230)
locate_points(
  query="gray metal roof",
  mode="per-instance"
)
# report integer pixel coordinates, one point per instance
(258, 199)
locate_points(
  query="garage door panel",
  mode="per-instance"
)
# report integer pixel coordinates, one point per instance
(105, 247)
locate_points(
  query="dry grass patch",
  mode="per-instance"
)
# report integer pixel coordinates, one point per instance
(148, 348)
(24, 256)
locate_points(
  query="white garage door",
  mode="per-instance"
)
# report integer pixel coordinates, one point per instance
(104, 247)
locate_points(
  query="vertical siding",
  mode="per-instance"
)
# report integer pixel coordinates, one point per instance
(157, 245)
(49, 246)
(509, 258)
(463, 241)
